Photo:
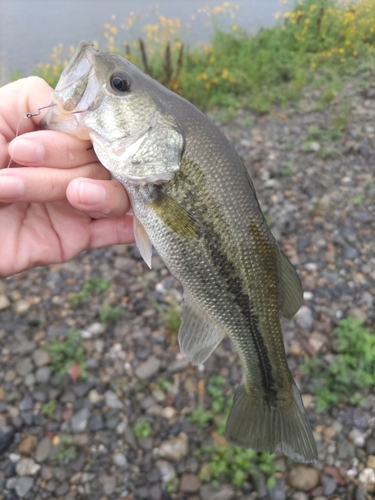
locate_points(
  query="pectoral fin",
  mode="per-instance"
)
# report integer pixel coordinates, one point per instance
(143, 241)
(197, 336)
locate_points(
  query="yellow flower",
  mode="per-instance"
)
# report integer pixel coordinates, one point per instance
(355, 53)
(207, 85)
(341, 50)
(234, 27)
(277, 15)
(114, 30)
(107, 25)
(224, 73)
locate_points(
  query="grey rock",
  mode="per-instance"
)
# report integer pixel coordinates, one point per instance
(190, 483)
(278, 491)
(62, 489)
(155, 492)
(130, 438)
(345, 450)
(79, 420)
(6, 437)
(350, 253)
(24, 347)
(43, 375)
(329, 485)
(362, 216)
(112, 400)
(96, 423)
(43, 450)
(56, 331)
(78, 463)
(22, 485)
(148, 368)
(24, 366)
(60, 474)
(109, 485)
(208, 492)
(304, 318)
(41, 358)
(119, 459)
(83, 388)
(370, 446)
(26, 404)
(27, 467)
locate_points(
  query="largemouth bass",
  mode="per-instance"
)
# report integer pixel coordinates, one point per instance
(193, 199)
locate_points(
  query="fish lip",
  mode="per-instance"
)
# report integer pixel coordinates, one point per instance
(74, 93)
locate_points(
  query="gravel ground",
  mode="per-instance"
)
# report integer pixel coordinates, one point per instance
(68, 437)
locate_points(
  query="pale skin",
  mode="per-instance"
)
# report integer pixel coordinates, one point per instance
(56, 199)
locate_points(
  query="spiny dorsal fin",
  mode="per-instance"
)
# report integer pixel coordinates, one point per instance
(197, 336)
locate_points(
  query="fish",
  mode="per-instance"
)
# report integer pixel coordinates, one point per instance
(193, 200)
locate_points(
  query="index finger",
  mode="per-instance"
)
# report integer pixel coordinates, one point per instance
(17, 99)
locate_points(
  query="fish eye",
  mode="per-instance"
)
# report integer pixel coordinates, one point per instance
(120, 82)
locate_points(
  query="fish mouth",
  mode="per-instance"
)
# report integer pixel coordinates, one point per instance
(75, 94)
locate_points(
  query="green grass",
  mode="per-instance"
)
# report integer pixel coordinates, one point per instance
(48, 409)
(109, 314)
(227, 463)
(352, 370)
(66, 353)
(67, 451)
(318, 43)
(92, 286)
(142, 429)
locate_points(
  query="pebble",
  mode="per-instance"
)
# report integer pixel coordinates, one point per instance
(24, 366)
(304, 318)
(27, 467)
(21, 306)
(357, 438)
(62, 489)
(303, 478)
(119, 459)
(96, 423)
(4, 302)
(41, 358)
(367, 479)
(43, 375)
(175, 449)
(79, 420)
(167, 471)
(43, 450)
(109, 484)
(189, 483)
(329, 485)
(6, 437)
(112, 400)
(28, 445)
(22, 485)
(148, 368)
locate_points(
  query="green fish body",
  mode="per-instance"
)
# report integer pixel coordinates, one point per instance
(194, 201)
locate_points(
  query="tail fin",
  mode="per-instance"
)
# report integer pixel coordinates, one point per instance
(254, 424)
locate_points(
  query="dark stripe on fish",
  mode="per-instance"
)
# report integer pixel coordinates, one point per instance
(234, 287)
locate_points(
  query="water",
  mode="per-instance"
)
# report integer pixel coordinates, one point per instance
(29, 29)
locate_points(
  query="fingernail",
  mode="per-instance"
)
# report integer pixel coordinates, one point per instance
(91, 194)
(26, 151)
(11, 188)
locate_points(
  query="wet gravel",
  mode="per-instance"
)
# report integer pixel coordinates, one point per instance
(68, 437)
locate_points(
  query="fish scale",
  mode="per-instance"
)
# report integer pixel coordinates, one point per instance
(194, 201)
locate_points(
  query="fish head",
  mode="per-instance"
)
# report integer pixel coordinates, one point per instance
(105, 98)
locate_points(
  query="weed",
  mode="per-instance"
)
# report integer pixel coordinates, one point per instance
(67, 451)
(171, 314)
(353, 367)
(48, 409)
(288, 169)
(142, 429)
(66, 353)
(236, 465)
(162, 384)
(227, 463)
(109, 314)
(92, 286)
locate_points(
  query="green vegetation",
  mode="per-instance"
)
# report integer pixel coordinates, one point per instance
(162, 384)
(225, 462)
(142, 429)
(48, 409)
(352, 369)
(93, 286)
(171, 314)
(66, 353)
(109, 314)
(318, 42)
(67, 451)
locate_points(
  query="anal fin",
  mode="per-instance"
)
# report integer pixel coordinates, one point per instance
(197, 336)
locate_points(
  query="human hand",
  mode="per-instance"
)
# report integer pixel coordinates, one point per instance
(56, 199)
